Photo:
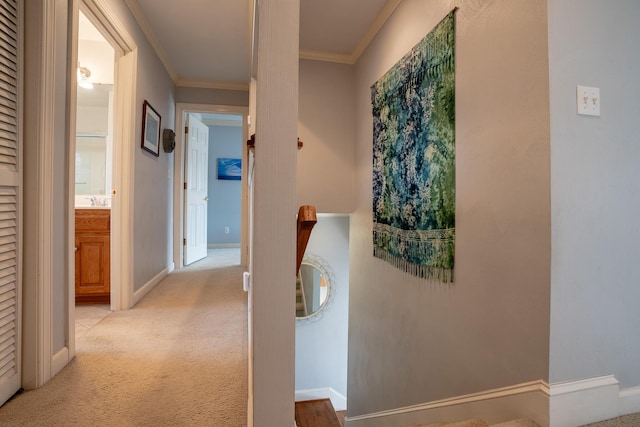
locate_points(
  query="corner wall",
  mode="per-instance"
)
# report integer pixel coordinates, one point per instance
(153, 176)
(595, 202)
(413, 341)
(321, 341)
(326, 126)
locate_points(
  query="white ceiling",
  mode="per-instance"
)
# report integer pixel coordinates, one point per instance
(207, 43)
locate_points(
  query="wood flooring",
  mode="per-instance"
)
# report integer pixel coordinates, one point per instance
(316, 413)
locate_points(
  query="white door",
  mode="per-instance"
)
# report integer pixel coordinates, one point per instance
(196, 173)
(10, 183)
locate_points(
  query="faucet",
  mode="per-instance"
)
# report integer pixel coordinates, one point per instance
(97, 202)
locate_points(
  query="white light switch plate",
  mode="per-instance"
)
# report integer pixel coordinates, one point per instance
(588, 100)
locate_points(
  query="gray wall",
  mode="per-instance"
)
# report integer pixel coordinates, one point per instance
(413, 341)
(595, 191)
(325, 125)
(321, 344)
(224, 207)
(195, 95)
(153, 177)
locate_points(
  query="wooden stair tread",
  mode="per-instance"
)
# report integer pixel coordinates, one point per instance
(316, 413)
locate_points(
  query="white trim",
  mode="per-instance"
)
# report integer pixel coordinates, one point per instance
(21, 343)
(223, 245)
(124, 120)
(377, 25)
(221, 122)
(71, 143)
(59, 360)
(584, 401)
(100, 14)
(144, 290)
(501, 404)
(629, 400)
(122, 210)
(321, 55)
(116, 34)
(137, 13)
(332, 215)
(342, 58)
(338, 400)
(178, 177)
(557, 389)
(212, 85)
(171, 267)
(45, 186)
(352, 58)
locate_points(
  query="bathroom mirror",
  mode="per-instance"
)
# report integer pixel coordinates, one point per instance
(314, 287)
(93, 142)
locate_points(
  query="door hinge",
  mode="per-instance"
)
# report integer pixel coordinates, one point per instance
(186, 129)
(185, 185)
(184, 242)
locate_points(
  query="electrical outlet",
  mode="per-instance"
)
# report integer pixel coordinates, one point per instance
(226, 230)
(588, 100)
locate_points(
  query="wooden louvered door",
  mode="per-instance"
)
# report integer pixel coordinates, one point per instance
(10, 185)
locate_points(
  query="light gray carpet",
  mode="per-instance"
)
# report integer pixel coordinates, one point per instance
(632, 420)
(179, 358)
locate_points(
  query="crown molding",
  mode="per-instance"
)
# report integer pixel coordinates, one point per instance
(212, 85)
(315, 55)
(319, 55)
(377, 25)
(352, 58)
(135, 9)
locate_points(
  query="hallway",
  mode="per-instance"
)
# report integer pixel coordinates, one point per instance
(178, 358)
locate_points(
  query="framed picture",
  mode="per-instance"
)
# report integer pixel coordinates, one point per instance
(229, 168)
(150, 129)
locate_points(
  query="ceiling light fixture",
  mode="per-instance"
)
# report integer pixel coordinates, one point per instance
(83, 78)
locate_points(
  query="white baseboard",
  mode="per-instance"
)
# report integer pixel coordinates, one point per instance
(59, 360)
(223, 245)
(566, 404)
(338, 401)
(140, 293)
(590, 400)
(527, 400)
(171, 267)
(585, 401)
(629, 400)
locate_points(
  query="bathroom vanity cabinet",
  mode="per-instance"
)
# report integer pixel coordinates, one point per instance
(92, 253)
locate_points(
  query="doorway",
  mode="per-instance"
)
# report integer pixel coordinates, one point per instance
(226, 191)
(117, 181)
(93, 164)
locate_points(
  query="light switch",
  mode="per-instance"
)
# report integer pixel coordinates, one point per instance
(588, 101)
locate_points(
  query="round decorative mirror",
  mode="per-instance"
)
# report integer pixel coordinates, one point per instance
(314, 287)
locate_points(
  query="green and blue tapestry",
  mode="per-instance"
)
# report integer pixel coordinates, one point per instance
(414, 173)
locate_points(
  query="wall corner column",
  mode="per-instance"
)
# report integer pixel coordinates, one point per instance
(273, 258)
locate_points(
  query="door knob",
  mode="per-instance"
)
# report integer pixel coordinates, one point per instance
(206, 198)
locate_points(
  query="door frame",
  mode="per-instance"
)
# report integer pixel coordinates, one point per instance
(179, 177)
(124, 115)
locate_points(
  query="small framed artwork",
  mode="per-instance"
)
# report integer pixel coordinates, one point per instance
(150, 129)
(229, 168)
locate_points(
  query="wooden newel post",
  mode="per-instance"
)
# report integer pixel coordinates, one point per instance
(306, 220)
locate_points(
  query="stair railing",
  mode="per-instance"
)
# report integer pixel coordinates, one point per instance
(306, 220)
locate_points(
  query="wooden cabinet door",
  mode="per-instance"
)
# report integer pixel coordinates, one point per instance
(92, 268)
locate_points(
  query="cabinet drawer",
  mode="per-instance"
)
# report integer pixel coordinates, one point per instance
(93, 220)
